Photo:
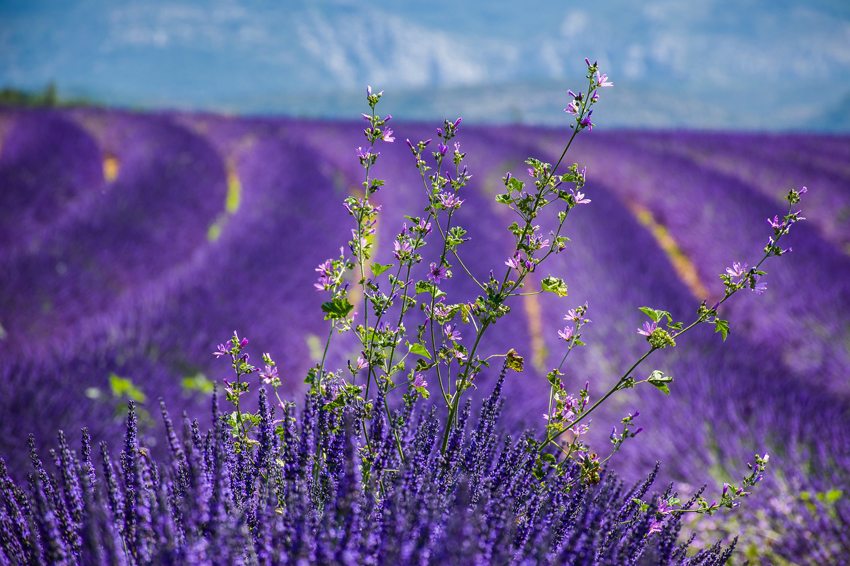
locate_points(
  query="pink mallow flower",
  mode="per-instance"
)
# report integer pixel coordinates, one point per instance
(737, 269)
(648, 328)
(437, 273)
(452, 334)
(402, 249)
(269, 375)
(602, 80)
(566, 333)
(419, 380)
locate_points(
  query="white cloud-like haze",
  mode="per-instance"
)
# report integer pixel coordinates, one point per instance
(233, 54)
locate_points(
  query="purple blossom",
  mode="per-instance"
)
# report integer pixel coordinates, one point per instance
(419, 380)
(737, 269)
(387, 135)
(515, 262)
(566, 334)
(602, 80)
(449, 201)
(325, 268)
(775, 223)
(664, 507)
(269, 375)
(325, 283)
(402, 249)
(579, 197)
(757, 287)
(366, 154)
(648, 328)
(437, 273)
(223, 350)
(451, 333)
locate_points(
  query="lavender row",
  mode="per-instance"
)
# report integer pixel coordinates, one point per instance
(208, 503)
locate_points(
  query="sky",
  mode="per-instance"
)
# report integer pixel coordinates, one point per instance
(763, 65)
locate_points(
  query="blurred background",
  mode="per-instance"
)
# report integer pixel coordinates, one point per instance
(763, 65)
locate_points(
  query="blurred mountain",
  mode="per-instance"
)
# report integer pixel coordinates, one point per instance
(717, 64)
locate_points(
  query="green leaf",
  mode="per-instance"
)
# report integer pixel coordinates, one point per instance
(504, 199)
(656, 314)
(418, 349)
(513, 360)
(428, 287)
(548, 458)
(660, 381)
(337, 309)
(377, 268)
(124, 387)
(643, 506)
(833, 495)
(721, 326)
(555, 285)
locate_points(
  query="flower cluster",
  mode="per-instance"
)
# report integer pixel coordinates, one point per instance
(581, 103)
(275, 503)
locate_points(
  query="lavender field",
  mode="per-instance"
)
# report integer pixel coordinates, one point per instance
(132, 244)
